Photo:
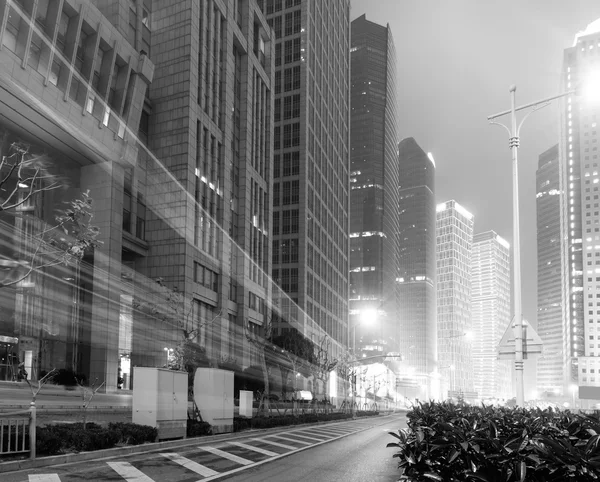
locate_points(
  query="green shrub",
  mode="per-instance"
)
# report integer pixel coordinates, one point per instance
(196, 428)
(47, 442)
(71, 437)
(448, 442)
(133, 433)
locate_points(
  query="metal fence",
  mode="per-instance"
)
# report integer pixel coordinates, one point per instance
(17, 432)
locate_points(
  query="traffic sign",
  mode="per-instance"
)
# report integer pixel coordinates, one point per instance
(532, 343)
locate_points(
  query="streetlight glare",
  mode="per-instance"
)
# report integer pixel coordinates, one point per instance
(368, 316)
(590, 89)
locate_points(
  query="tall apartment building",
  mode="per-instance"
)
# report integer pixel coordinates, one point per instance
(454, 250)
(311, 164)
(490, 314)
(416, 281)
(374, 188)
(172, 136)
(553, 364)
(580, 221)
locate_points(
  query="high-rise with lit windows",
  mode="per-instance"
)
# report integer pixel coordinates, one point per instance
(374, 188)
(311, 165)
(490, 314)
(553, 363)
(171, 135)
(454, 251)
(580, 218)
(416, 281)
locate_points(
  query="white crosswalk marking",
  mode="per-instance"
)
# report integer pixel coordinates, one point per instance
(289, 439)
(276, 444)
(325, 432)
(255, 449)
(129, 472)
(227, 455)
(300, 434)
(190, 464)
(44, 478)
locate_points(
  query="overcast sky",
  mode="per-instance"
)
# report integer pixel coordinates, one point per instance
(456, 61)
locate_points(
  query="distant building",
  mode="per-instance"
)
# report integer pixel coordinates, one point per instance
(454, 231)
(490, 314)
(553, 364)
(580, 221)
(416, 325)
(311, 161)
(374, 181)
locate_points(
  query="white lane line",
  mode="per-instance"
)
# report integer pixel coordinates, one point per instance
(291, 439)
(190, 464)
(255, 449)
(129, 472)
(276, 444)
(299, 434)
(326, 432)
(227, 455)
(44, 478)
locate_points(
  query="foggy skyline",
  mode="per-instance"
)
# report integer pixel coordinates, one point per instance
(456, 62)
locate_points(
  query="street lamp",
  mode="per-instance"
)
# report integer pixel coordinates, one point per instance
(573, 387)
(169, 351)
(513, 143)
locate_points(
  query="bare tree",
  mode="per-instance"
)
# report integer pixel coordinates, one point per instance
(261, 344)
(23, 177)
(87, 394)
(322, 364)
(41, 382)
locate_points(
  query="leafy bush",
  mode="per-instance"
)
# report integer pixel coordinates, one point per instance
(133, 433)
(71, 437)
(447, 442)
(196, 428)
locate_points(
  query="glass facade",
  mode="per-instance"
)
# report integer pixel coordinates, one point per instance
(416, 280)
(374, 188)
(553, 363)
(311, 166)
(454, 250)
(580, 221)
(491, 316)
(137, 231)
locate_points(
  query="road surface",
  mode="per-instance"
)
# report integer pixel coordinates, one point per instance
(351, 451)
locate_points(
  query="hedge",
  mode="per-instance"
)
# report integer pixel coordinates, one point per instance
(448, 442)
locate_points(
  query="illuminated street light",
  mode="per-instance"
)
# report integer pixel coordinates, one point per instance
(169, 351)
(514, 141)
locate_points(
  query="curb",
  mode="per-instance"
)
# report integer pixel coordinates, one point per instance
(26, 464)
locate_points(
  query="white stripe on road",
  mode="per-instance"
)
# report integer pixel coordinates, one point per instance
(303, 442)
(129, 472)
(190, 464)
(276, 444)
(256, 449)
(227, 455)
(44, 478)
(299, 434)
(326, 432)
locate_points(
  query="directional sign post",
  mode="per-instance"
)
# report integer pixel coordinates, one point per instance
(532, 343)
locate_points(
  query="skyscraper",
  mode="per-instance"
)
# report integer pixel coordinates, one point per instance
(490, 314)
(311, 164)
(553, 363)
(374, 187)
(416, 325)
(580, 221)
(454, 251)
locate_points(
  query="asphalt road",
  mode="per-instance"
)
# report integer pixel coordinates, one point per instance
(346, 451)
(362, 457)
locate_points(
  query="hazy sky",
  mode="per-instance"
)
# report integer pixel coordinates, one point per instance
(456, 61)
